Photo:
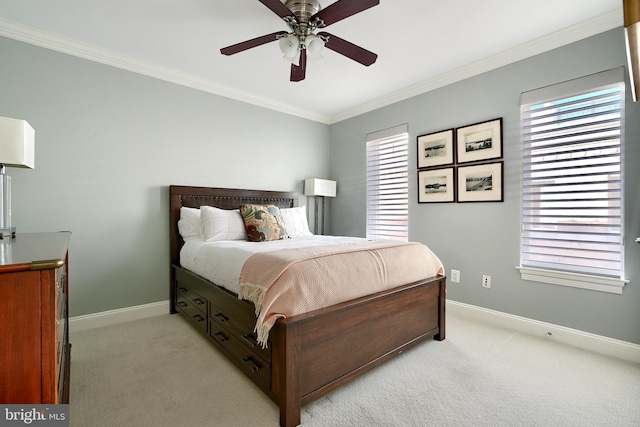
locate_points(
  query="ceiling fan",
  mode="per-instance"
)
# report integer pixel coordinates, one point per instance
(304, 17)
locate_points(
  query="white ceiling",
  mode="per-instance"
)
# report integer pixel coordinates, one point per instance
(421, 44)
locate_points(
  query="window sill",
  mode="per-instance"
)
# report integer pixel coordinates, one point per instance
(575, 280)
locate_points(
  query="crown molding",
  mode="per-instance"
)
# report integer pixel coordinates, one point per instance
(72, 47)
(600, 24)
(23, 33)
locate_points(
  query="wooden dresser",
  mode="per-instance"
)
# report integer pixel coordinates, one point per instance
(34, 332)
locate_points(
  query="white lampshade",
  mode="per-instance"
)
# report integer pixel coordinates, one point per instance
(290, 48)
(632, 36)
(17, 143)
(319, 187)
(314, 45)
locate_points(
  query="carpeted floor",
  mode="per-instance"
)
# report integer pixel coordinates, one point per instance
(160, 372)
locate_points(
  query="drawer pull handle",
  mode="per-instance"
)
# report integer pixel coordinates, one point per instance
(249, 363)
(221, 317)
(198, 318)
(250, 339)
(198, 301)
(182, 290)
(182, 304)
(220, 337)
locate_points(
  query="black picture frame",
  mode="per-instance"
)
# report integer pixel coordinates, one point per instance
(482, 182)
(436, 149)
(437, 185)
(479, 141)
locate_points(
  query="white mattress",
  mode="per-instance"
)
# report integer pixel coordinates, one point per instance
(221, 262)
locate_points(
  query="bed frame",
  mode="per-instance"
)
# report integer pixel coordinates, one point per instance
(310, 354)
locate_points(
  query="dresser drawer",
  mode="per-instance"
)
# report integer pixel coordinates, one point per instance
(245, 333)
(258, 369)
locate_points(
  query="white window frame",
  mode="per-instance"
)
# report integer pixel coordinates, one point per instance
(388, 184)
(541, 269)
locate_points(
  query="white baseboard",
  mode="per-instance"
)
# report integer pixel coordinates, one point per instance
(573, 337)
(121, 315)
(597, 343)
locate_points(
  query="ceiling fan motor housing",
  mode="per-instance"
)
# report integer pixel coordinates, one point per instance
(303, 9)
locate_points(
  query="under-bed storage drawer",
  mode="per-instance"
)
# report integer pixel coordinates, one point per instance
(192, 313)
(191, 304)
(189, 295)
(253, 365)
(245, 333)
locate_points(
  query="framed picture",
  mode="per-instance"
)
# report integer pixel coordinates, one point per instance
(481, 141)
(436, 149)
(436, 186)
(481, 183)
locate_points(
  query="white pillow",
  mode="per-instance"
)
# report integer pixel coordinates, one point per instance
(222, 224)
(295, 221)
(189, 224)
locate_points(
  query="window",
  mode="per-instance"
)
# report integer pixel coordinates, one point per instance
(388, 184)
(572, 183)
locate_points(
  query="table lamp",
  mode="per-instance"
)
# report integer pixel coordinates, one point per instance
(17, 149)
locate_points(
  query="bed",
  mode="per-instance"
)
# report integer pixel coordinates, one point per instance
(308, 354)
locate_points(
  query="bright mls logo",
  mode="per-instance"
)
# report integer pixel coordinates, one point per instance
(39, 415)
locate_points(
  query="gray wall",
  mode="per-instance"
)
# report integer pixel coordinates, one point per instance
(483, 238)
(110, 142)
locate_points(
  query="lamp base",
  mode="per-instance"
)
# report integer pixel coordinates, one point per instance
(9, 232)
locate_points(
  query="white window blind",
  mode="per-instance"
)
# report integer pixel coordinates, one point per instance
(388, 184)
(572, 207)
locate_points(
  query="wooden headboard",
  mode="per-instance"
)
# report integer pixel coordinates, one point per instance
(223, 198)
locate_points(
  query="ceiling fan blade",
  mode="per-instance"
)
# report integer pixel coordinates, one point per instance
(348, 49)
(278, 8)
(298, 71)
(239, 47)
(343, 9)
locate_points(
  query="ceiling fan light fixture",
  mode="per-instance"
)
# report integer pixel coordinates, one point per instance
(289, 45)
(296, 58)
(314, 45)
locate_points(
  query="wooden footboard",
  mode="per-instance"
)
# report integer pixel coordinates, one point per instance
(310, 354)
(326, 348)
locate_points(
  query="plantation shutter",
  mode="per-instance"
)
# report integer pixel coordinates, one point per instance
(572, 207)
(388, 184)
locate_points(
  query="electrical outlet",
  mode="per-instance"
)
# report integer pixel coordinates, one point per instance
(486, 281)
(455, 276)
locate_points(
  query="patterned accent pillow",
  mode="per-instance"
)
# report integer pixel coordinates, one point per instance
(263, 223)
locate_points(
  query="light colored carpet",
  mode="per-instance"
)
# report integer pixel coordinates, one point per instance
(160, 372)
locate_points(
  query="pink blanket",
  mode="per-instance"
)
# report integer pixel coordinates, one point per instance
(294, 281)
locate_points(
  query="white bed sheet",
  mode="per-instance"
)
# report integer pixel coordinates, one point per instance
(221, 262)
